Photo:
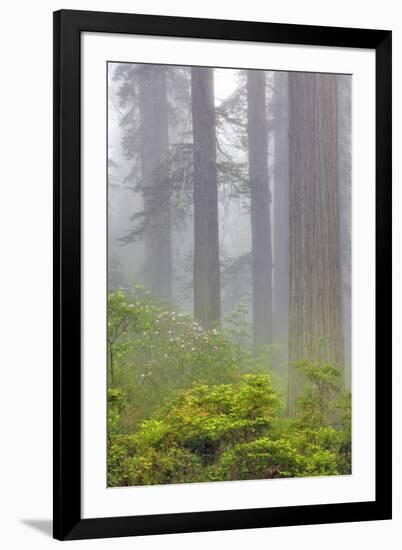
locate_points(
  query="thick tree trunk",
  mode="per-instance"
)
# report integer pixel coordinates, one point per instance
(155, 179)
(315, 284)
(281, 207)
(259, 209)
(207, 293)
(344, 120)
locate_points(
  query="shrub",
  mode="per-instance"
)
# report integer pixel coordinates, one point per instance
(323, 418)
(181, 409)
(227, 432)
(262, 458)
(154, 351)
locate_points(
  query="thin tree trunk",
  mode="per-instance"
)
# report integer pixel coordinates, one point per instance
(315, 305)
(281, 207)
(207, 292)
(259, 209)
(156, 184)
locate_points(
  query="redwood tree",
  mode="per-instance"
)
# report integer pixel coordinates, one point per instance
(259, 209)
(344, 118)
(280, 107)
(207, 292)
(154, 145)
(315, 287)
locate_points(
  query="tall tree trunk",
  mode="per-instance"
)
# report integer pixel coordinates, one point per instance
(315, 305)
(344, 120)
(207, 292)
(259, 209)
(156, 184)
(281, 207)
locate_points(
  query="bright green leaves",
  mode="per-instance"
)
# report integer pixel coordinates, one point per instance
(182, 410)
(230, 432)
(262, 458)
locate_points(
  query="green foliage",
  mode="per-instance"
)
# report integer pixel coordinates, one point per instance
(120, 459)
(343, 425)
(154, 351)
(324, 384)
(263, 458)
(324, 413)
(182, 409)
(120, 446)
(227, 432)
(116, 403)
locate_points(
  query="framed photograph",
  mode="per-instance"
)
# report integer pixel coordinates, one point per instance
(222, 274)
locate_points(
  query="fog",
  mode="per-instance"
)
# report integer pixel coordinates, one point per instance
(170, 149)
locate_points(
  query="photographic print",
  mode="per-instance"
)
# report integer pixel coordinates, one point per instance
(229, 274)
(216, 288)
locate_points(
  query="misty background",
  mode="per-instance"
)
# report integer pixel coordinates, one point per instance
(129, 216)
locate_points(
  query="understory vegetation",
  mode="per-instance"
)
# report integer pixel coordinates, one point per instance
(190, 404)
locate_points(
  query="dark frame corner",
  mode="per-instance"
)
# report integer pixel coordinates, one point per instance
(68, 26)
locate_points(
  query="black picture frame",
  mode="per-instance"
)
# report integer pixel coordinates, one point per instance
(68, 26)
